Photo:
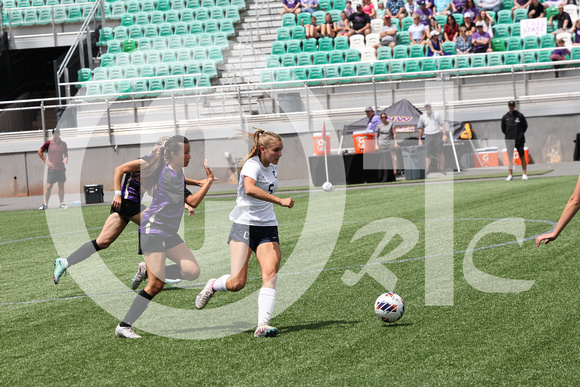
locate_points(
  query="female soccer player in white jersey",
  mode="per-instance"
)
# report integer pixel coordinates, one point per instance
(158, 236)
(255, 229)
(570, 210)
(126, 207)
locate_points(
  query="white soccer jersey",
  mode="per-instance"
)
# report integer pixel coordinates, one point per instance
(252, 211)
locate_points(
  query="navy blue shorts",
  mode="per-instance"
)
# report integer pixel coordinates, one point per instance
(157, 243)
(253, 236)
(128, 210)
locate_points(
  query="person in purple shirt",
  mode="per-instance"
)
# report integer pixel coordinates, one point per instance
(424, 13)
(291, 6)
(481, 39)
(521, 4)
(309, 6)
(559, 54)
(374, 120)
(158, 236)
(576, 31)
(471, 8)
(457, 6)
(126, 207)
(349, 9)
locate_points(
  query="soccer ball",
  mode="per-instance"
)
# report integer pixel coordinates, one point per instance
(327, 186)
(389, 307)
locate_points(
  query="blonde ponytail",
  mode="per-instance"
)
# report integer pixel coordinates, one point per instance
(261, 138)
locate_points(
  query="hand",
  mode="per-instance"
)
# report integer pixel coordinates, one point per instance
(116, 204)
(288, 202)
(208, 172)
(65, 160)
(397, 146)
(548, 237)
(420, 142)
(189, 209)
(551, 23)
(444, 137)
(49, 164)
(533, 12)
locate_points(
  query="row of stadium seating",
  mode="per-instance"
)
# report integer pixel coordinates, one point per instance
(132, 6)
(176, 42)
(139, 58)
(408, 68)
(190, 67)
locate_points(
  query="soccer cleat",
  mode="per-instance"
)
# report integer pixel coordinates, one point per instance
(126, 332)
(43, 207)
(509, 178)
(59, 269)
(524, 177)
(172, 282)
(266, 331)
(140, 276)
(206, 293)
(63, 206)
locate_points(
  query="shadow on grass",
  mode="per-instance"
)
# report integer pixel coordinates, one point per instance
(317, 325)
(397, 325)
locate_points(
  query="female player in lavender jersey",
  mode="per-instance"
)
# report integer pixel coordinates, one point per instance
(126, 207)
(255, 229)
(163, 179)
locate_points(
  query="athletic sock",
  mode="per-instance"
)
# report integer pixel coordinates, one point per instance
(219, 285)
(83, 253)
(173, 272)
(137, 308)
(266, 301)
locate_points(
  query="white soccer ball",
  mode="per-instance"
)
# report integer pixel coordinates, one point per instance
(327, 186)
(389, 307)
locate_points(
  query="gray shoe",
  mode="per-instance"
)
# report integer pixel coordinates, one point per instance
(206, 293)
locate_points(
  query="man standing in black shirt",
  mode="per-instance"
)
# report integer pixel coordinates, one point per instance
(513, 126)
(361, 22)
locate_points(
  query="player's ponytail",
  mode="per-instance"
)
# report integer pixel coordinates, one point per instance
(261, 138)
(160, 156)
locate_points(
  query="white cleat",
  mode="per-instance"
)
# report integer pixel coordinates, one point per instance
(524, 177)
(266, 331)
(140, 276)
(43, 207)
(126, 332)
(63, 206)
(510, 178)
(206, 293)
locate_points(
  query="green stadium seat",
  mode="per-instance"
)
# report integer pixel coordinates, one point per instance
(174, 42)
(207, 3)
(315, 73)
(272, 61)
(515, 29)
(10, 4)
(551, 12)
(396, 69)
(320, 58)
(192, 4)
(325, 44)
(288, 60)
(293, 47)
(380, 68)
(121, 33)
(507, 4)
(530, 43)
(222, 3)
(93, 89)
(408, 21)
(240, 4)
(114, 46)
(266, 76)
(504, 17)
(209, 69)
(478, 60)
(202, 14)
(400, 52)
(232, 14)
(445, 63)
(320, 16)
(335, 14)
(131, 71)
(140, 88)
(100, 74)
(147, 5)
(153, 57)
(190, 41)
(575, 53)
(429, 64)
(324, 5)
(411, 67)
(30, 17)
(205, 40)
(193, 67)
(299, 74)
(303, 19)
(168, 56)
(279, 48)
(107, 60)
(520, 14)
(351, 55)
(83, 75)
(199, 53)
(513, 44)
(203, 83)
(348, 71)
(142, 18)
(44, 17)
(177, 5)
(298, 32)
(184, 55)
(189, 82)
(493, 16)
(463, 62)
(146, 71)
(339, 5)
(511, 59)
(122, 59)
(171, 16)
(181, 28)
(171, 84)
(117, 10)
(384, 53)
(288, 20)
(341, 43)
(336, 56)
(494, 59)
(165, 29)
(309, 45)
(283, 34)
(157, 17)
(441, 19)
(331, 72)
(124, 88)
(304, 59)
(59, 15)
(144, 44)
(161, 69)
(116, 73)
(449, 48)
(416, 51)
(196, 27)
(62, 2)
(547, 41)
(186, 15)
(163, 5)
(133, 7)
(138, 58)
(221, 40)
(216, 13)
(25, 3)
(498, 44)
(403, 38)
(105, 34)
(501, 31)
(363, 69)
(135, 32)
(159, 44)
(155, 87)
(227, 27)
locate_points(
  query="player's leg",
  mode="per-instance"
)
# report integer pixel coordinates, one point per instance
(520, 148)
(510, 156)
(47, 193)
(186, 268)
(269, 257)
(61, 193)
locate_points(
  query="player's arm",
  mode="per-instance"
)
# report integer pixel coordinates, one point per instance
(65, 154)
(570, 210)
(41, 154)
(130, 167)
(196, 198)
(258, 193)
(198, 183)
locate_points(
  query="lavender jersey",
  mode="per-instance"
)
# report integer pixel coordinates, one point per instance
(131, 188)
(163, 216)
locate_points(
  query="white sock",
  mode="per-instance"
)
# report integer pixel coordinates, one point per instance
(266, 301)
(65, 263)
(219, 285)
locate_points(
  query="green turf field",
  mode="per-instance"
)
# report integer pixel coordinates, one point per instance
(329, 335)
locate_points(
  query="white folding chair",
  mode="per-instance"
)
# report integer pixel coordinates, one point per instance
(376, 26)
(566, 37)
(571, 10)
(372, 39)
(368, 55)
(357, 42)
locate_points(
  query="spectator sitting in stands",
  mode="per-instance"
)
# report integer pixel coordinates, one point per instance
(342, 27)
(417, 31)
(457, 6)
(381, 10)
(388, 33)
(396, 9)
(434, 45)
(291, 6)
(410, 8)
(470, 7)
(424, 12)
(559, 54)
(480, 39)
(468, 24)
(312, 30)
(576, 29)
(369, 9)
(451, 29)
(563, 19)
(309, 6)
(521, 4)
(442, 7)
(433, 26)
(430, 4)
(361, 22)
(490, 5)
(349, 9)
(535, 10)
(487, 20)
(327, 29)
(463, 44)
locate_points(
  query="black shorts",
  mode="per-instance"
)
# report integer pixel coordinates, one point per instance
(253, 236)
(434, 144)
(157, 243)
(128, 210)
(56, 176)
(510, 150)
